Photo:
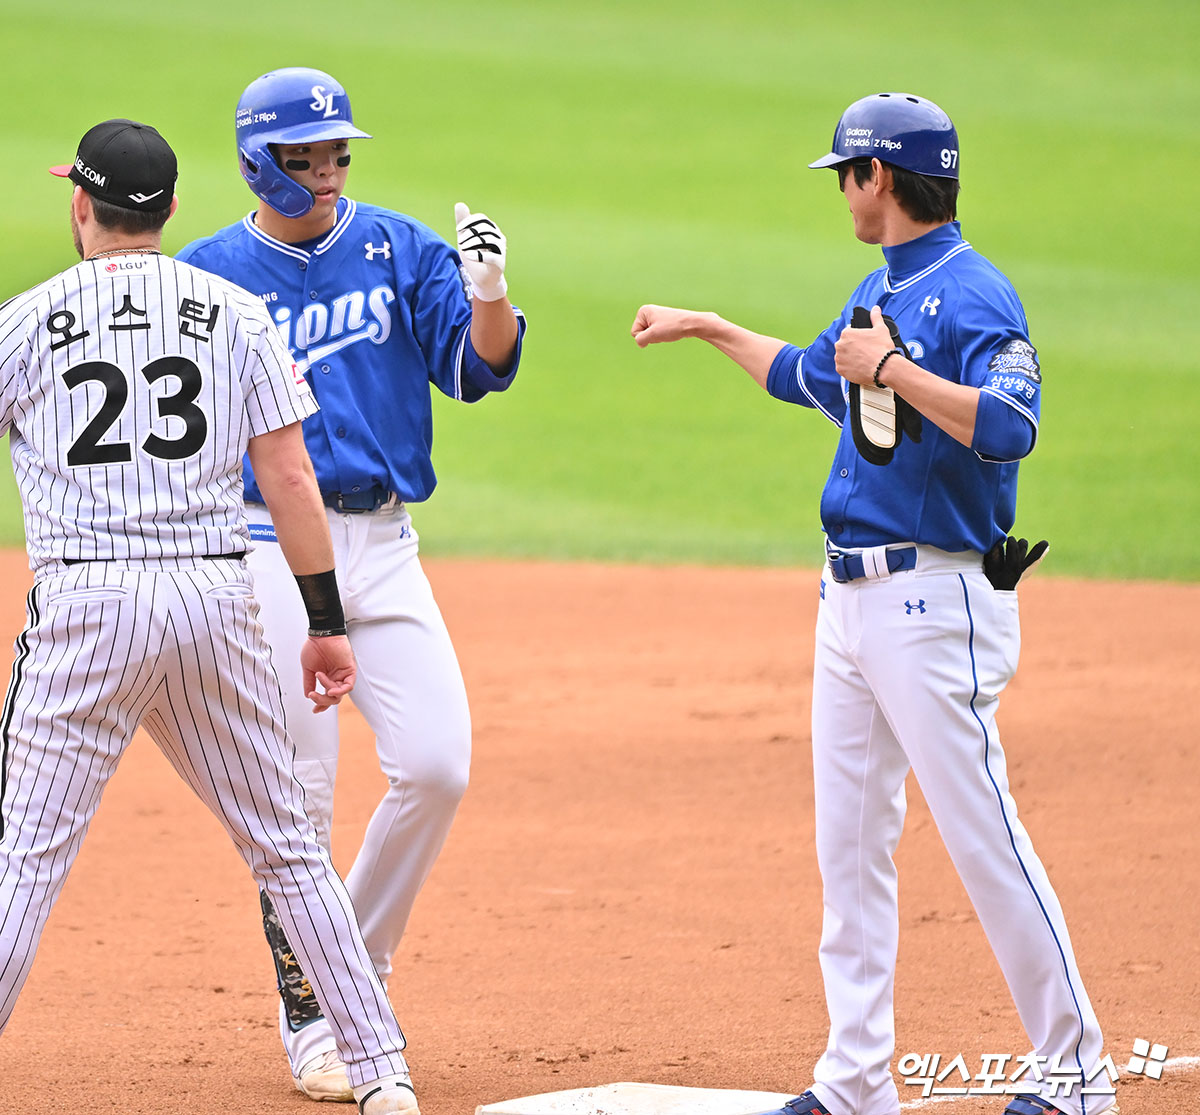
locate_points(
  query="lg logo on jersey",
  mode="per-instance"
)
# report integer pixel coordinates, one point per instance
(322, 103)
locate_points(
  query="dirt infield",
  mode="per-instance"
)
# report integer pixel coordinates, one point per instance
(630, 890)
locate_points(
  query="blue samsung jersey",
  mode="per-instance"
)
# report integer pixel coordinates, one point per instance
(961, 320)
(373, 312)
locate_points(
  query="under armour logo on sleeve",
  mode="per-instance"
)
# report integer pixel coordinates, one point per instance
(372, 251)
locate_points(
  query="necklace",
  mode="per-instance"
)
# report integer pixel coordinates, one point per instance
(126, 251)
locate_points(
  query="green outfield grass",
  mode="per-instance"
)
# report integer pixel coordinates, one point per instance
(656, 152)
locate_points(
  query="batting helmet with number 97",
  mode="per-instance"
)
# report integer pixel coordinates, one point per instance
(289, 106)
(896, 128)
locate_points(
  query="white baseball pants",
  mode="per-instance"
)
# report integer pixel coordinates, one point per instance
(175, 646)
(908, 673)
(411, 693)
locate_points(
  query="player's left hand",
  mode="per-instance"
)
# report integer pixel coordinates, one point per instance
(858, 351)
(484, 251)
(330, 662)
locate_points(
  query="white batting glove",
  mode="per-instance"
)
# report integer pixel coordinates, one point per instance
(483, 249)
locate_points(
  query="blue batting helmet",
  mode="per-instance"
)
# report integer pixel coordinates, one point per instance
(293, 105)
(896, 128)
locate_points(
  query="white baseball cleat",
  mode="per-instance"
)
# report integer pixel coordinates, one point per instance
(391, 1095)
(324, 1078)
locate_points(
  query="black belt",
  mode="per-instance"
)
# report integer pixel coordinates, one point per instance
(355, 503)
(849, 567)
(161, 557)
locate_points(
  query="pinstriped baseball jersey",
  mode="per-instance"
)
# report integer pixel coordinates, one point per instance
(131, 384)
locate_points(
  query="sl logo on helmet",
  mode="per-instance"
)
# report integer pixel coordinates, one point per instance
(322, 102)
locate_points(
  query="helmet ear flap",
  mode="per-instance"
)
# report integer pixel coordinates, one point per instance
(265, 177)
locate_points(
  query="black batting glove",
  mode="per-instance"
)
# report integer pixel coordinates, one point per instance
(1009, 558)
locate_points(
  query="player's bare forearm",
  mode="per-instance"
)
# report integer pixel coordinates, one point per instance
(951, 407)
(494, 332)
(755, 352)
(285, 477)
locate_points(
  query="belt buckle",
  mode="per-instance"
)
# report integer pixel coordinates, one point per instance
(837, 566)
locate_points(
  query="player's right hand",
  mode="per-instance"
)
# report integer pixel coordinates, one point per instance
(858, 350)
(329, 662)
(656, 324)
(483, 249)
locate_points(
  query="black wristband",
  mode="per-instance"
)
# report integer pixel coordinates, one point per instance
(319, 591)
(879, 367)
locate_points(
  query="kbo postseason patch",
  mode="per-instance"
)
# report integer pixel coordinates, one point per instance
(1017, 358)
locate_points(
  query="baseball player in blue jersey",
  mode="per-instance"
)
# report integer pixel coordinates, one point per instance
(375, 308)
(930, 374)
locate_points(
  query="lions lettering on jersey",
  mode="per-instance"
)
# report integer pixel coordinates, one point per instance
(348, 318)
(375, 309)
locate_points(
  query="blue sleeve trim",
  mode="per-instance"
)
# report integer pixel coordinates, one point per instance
(781, 378)
(813, 401)
(474, 378)
(785, 381)
(1005, 431)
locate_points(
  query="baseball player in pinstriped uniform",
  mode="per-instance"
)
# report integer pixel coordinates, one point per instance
(917, 630)
(131, 386)
(376, 307)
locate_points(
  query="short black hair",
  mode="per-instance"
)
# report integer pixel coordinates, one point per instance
(132, 222)
(924, 198)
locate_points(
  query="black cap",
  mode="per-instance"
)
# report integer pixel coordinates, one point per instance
(124, 163)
